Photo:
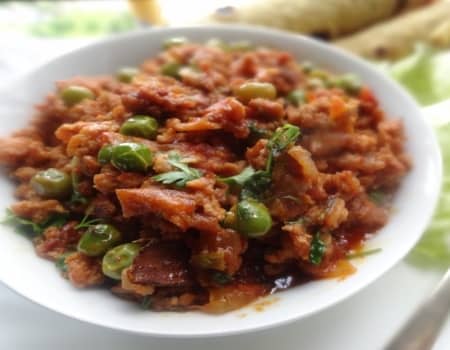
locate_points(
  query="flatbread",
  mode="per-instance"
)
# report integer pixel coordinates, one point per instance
(395, 38)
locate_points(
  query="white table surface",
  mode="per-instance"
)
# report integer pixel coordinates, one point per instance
(366, 321)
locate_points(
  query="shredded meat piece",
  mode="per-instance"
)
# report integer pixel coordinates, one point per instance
(163, 264)
(330, 143)
(18, 151)
(230, 115)
(175, 206)
(300, 239)
(303, 159)
(336, 213)
(344, 183)
(364, 213)
(84, 271)
(135, 288)
(185, 210)
(161, 96)
(24, 174)
(103, 207)
(257, 154)
(37, 210)
(265, 109)
(57, 240)
(110, 179)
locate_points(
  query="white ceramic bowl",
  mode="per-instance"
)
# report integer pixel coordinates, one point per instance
(39, 281)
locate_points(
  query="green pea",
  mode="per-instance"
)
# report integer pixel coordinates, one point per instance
(315, 83)
(140, 126)
(126, 74)
(176, 41)
(250, 218)
(319, 74)
(73, 94)
(296, 97)
(250, 90)
(172, 69)
(217, 43)
(98, 239)
(209, 260)
(52, 183)
(347, 82)
(105, 154)
(131, 157)
(241, 45)
(307, 66)
(119, 258)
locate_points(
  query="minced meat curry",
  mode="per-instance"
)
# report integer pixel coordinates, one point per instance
(210, 176)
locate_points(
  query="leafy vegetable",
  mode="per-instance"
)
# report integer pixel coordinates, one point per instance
(363, 253)
(255, 184)
(146, 302)
(240, 178)
(221, 278)
(60, 262)
(28, 226)
(424, 73)
(282, 137)
(86, 222)
(433, 250)
(258, 133)
(178, 178)
(377, 197)
(56, 220)
(77, 198)
(81, 23)
(317, 250)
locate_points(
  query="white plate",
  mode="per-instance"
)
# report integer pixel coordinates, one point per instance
(39, 281)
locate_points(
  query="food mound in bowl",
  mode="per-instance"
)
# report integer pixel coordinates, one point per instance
(212, 175)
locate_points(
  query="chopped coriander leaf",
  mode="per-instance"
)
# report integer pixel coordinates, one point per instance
(146, 302)
(60, 262)
(281, 138)
(86, 222)
(20, 223)
(257, 133)
(377, 197)
(256, 185)
(221, 278)
(239, 179)
(77, 198)
(363, 253)
(178, 178)
(317, 250)
(302, 220)
(55, 220)
(292, 198)
(28, 226)
(296, 97)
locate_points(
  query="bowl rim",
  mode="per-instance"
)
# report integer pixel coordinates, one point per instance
(257, 30)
